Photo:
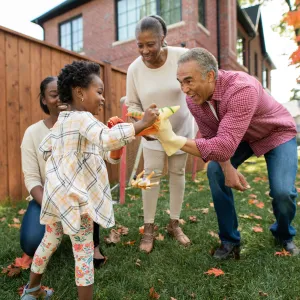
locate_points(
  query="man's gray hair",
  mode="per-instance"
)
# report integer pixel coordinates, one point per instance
(204, 59)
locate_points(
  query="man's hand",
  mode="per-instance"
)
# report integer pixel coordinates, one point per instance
(233, 178)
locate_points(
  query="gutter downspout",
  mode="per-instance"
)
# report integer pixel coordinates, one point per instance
(218, 34)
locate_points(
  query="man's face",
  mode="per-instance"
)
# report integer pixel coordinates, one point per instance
(193, 84)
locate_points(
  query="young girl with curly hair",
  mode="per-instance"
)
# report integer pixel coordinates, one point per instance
(76, 190)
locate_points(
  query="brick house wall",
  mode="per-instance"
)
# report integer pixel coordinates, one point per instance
(99, 32)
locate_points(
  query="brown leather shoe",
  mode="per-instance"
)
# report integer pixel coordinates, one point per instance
(175, 231)
(147, 240)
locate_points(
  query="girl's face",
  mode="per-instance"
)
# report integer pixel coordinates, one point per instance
(93, 99)
(149, 45)
(51, 99)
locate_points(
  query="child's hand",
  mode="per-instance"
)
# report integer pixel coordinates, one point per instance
(150, 116)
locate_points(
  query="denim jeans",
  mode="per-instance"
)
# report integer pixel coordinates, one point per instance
(32, 232)
(282, 164)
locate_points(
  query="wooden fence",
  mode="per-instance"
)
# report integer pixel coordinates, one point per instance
(24, 63)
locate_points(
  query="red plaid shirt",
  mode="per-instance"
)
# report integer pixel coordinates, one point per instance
(246, 112)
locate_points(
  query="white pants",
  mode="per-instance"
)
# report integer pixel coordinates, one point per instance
(154, 161)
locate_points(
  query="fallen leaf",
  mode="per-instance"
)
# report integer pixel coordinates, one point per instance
(257, 229)
(167, 211)
(204, 210)
(172, 298)
(22, 212)
(193, 218)
(3, 219)
(298, 203)
(113, 238)
(261, 293)
(15, 225)
(193, 295)
(196, 181)
(133, 197)
(138, 262)
(122, 230)
(129, 243)
(181, 221)
(267, 193)
(153, 294)
(298, 190)
(141, 229)
(252, 196)
(260, 205)
(160, 281)
(187, 205)
(245, 216)
(16, 220)
(211, 204)
(282, 253)
(200, 188)
(252, 201)
(160, 237)
(214, 271)
(213, 234)
(11, 271)
(23, 262)
(255, 216)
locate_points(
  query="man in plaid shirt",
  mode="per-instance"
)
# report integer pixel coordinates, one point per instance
(238, 118)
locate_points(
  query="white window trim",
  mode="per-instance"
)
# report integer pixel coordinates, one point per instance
(171, 26)
(204, 29)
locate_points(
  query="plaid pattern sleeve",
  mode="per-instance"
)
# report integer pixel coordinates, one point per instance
(46, 146)
(105, 138)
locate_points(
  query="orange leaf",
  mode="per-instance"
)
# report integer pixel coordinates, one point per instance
(292, 18)
(160, 237)
(282, 253)
(22, 211)
(211, 204)
(193, 218)
(23, 262)
(15, 225)
(257, 229)
(130, 243)
(260, 205)
(122, 230)
(3, 219)
(11, 271)
(16, 220)
(187, 205)
(141, 229)
(153, 294)
(255, 216)
(252, 201)
(214, 271)
(252, 196)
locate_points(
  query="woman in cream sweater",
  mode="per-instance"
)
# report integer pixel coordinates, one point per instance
(151, 78)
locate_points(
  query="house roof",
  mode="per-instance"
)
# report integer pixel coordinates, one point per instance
(250, 19)
(59, 10)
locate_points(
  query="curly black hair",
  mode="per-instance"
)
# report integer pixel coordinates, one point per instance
(43, 87)
(76, 74)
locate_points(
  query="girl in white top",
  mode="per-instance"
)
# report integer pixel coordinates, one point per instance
(152, 78)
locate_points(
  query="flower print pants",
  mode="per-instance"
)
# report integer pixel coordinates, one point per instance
(83, 250)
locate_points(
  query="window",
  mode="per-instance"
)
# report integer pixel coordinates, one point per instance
(255, 65)
(265, 78)
(129, 12)
(71, 34)
(201, 12)
(240, 50)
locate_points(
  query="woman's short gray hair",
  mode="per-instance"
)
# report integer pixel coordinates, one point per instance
(204, 59)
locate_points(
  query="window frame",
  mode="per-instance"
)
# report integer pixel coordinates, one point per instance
(69, 21)
(255, 64)
(240, 36)
(265, 78)
(204, 12)
(158, 11)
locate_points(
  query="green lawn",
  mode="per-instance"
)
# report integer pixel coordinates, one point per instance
(172, 270)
